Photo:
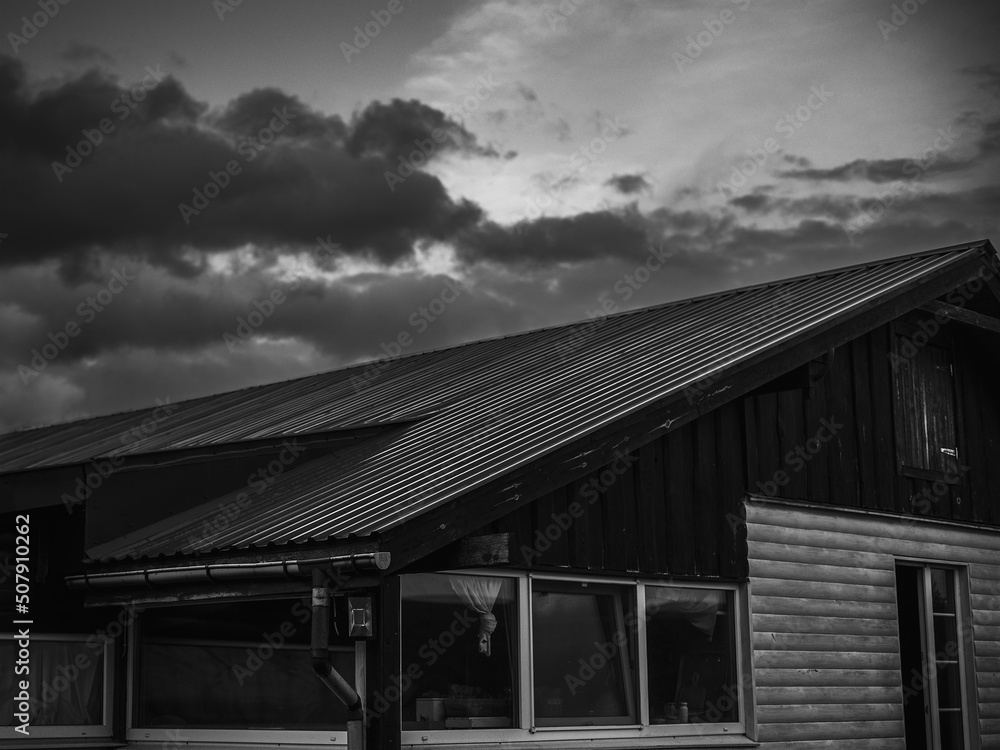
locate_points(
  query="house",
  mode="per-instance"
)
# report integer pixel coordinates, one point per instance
(765, 517)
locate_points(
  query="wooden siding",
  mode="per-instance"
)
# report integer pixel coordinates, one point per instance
(823, 618)
(673, 510)
(858, 468)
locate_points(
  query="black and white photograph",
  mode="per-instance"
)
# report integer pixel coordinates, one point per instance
(479, 374)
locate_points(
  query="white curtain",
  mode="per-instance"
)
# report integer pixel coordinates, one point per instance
(479, 594)
(697, 606)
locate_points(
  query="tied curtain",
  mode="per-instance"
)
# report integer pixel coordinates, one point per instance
(699, 607)
(57, 700)
(479, 595)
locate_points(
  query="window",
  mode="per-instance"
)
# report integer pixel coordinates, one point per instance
(932, 658)
(582, 659)
(239, 670)
(926, 431)
(459, 652)
(69, 686)
(691, 652)
(564, 655)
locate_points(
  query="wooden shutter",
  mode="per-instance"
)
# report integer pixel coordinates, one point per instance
(925, 406)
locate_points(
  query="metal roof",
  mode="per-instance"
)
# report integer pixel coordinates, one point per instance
(487, 407)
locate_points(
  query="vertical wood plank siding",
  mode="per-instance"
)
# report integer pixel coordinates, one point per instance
(825, 634)
(673, 510)
(858, 468)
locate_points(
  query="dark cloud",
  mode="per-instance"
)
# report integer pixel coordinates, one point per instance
(298, 174)
(878, 170)
(527, 92)
(989, 75)
(551, 240)
(796, 161)
(751, 203)
(398, 128)
(629, 184)
(84, 53)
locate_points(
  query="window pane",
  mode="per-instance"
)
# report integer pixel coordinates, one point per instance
(943, 590)
(459, 652)
(67, 683)
(583, 664)
(240, 666)
(692, 655)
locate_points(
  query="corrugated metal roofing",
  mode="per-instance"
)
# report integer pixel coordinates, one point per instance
(494, 405)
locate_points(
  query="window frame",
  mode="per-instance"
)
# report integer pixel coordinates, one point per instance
(963, 622)
(908, 328)
(224, 737)
(728, 733)
(71, 731)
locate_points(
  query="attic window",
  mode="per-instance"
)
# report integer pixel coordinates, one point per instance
(924, 380)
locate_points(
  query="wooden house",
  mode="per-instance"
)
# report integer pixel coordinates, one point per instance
(765, 517)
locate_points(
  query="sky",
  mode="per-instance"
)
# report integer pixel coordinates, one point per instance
(205, 195)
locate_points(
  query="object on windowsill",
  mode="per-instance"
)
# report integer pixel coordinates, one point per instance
(677, 713)
(430, 712)
(477, 722)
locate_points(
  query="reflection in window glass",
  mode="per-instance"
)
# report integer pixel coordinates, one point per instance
(66, 682)
(236, 666)
(459, 652)
(582, 651)
(690, 636)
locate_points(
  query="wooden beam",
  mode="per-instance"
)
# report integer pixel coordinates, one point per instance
(962, 315)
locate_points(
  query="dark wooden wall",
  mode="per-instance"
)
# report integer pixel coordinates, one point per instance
(673, 511)
(858, 467)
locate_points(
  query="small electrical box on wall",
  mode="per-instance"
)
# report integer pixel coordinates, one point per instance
(354, 617)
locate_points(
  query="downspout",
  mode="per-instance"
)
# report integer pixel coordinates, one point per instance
(321, 645)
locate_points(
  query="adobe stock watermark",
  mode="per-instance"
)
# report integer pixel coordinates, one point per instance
(699, 389)
(420, 320)
(591, 492)
(429, 652)
(910, 346)
(874, 209)
(364, 36)
(273, 641)
(789, 124)
(222, 7)
(427, 147)
(715, 26)
(88, 310)
(578, 162)
(48, 9)
(263, 309)
(123, 106)
(99, 470)
(249, 148)
(797, 458)
(625, 287)
(901, 13)
(258, 481)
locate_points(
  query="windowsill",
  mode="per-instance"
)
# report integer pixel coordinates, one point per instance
(55, 742)
(622, 743)
(653, 736)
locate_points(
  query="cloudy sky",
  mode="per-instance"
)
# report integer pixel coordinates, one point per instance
(200, 196)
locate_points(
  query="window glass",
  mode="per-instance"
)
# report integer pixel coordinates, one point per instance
(690, 641)
(582, 652)
(241, 666)
(66, 682)
(459, 652)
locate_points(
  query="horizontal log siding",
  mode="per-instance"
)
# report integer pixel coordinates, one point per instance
(825, 636)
